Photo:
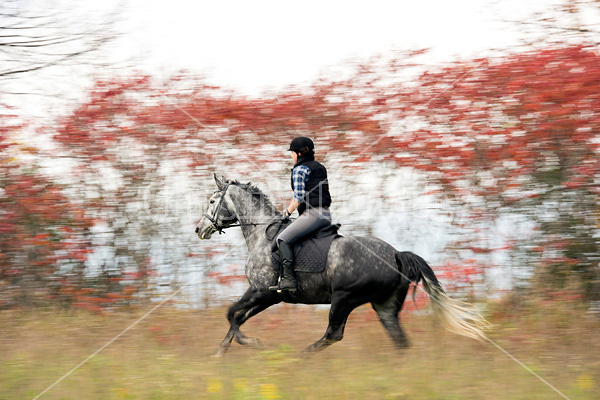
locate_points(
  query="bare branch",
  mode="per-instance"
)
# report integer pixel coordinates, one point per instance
(54, 39)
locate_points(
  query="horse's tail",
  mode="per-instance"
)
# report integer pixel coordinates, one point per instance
(459, 317)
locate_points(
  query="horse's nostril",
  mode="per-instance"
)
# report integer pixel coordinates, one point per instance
(197, 230)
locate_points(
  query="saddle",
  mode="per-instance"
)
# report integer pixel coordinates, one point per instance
(310, 253)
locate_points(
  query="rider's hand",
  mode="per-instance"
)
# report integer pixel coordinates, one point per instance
(286, 216)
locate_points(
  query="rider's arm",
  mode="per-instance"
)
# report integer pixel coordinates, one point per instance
(293, 206)
(299, 177)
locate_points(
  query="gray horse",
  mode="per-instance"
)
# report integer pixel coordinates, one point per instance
(359, 270)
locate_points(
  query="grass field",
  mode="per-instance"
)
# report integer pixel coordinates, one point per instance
(168, 356)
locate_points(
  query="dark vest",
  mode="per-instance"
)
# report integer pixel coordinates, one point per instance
(317, 187)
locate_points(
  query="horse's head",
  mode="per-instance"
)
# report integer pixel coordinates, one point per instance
(219, 214)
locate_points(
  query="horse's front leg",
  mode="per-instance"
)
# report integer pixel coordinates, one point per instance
(224, 346)
(252, 302)
(234, 325)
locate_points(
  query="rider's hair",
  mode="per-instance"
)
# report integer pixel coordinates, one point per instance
(303, 150)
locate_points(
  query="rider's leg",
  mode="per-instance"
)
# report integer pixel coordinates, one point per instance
(310, 221)
(287, 280)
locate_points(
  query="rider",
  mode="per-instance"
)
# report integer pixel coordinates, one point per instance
(311, 198)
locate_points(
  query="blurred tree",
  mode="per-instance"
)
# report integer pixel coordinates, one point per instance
(134, 140)
(570, 21)
(44, 240)
(520, 135)
(46, 46)
(516, 134)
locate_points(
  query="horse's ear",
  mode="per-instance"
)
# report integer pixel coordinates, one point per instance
(220, 182)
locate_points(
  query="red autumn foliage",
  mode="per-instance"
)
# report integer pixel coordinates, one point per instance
(503, 123)
(41, 231)
(521, 135)
(512, 134)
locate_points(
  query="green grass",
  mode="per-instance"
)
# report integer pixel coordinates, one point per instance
(168, 356)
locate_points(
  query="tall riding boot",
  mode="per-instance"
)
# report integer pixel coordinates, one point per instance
(287, 281)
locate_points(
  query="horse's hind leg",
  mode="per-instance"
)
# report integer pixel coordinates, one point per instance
(388, 311)
(342, 304)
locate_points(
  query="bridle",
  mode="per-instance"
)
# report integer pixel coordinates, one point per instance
(214, 219)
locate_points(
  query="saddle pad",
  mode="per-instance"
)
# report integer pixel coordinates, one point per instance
(310, 255)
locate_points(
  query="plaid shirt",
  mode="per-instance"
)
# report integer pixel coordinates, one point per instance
(299, 177)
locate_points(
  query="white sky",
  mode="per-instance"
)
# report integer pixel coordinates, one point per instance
(253, 46)
(267, 44)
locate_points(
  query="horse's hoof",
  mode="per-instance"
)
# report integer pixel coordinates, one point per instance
(310, 350)
(253, 342)
(319, 345)
(219, 354)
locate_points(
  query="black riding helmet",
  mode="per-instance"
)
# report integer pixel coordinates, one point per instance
(301, 144)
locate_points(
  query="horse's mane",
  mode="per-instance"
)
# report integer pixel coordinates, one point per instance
(257, 194)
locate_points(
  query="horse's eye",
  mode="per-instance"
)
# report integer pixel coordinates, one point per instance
(212, 202)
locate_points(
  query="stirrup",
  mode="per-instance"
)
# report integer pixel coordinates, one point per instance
(279, 289)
